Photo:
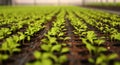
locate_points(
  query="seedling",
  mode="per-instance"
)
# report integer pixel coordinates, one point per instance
(93, 49)
(10, 45)
(103, 59)
(3, 57)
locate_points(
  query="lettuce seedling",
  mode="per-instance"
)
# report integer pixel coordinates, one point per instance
(3, 57)
(62, 59)
(103, 59)
(91, 36)
(50, 40)
(46, 47)
(64, 50)
(94, 49)
(10, 45)
(115, 36)
(37, 54)
(99, 41)
(56, 48)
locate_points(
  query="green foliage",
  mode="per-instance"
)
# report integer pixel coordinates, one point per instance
(115, 36)
(37, 54)
(86, 23)
(117, 63)
(91, 36)
(62, 59)
(56, 48)
(10, 45)
(94, 49)
(103, 59)
(3, 57)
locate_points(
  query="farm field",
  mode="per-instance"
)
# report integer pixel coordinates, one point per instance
(58, 35)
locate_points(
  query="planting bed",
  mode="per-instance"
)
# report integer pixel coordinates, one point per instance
(58, 35)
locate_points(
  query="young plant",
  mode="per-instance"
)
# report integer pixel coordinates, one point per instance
(3, 57)
(103, 59)
(91, 36)
(10, 45)
(93, 49)
(115, 36)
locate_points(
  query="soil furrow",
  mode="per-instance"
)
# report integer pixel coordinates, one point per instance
(74, 57)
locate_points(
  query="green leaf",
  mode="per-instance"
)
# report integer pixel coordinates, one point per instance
(47, 62)
(62, 58)
(91, 60)
(35, 63)
(52, 40)
(64, 50)
(46, 47)
(112, 56)
(5, 57)
(99, 60)
(91, 36)
(45, 40)
(61, 34)
(28, 38)
(101, 49)
(16, 50)
(99, 41)
(66, 38)
(37, 54)
(56, 48)
(49, 55)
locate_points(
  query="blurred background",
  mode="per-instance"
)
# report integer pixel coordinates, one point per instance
(54, 2)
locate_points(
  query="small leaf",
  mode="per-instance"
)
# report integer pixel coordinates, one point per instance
(91, 60)
(46, 47)
(5, 56)
(37, 54)
(62, 58)
(47, 62)
(52, 40)
(99, 60)
(61, 34)
(16, 50)
(101, 49)
(66, 38)
(99, 41)
(56, 48)
(113, 56)
(64, 50)
(28, 38)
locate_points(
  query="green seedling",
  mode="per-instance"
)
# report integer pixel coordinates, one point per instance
(3, 57)
(10, 45)
(93, 49)
(91, 36)
(115, 36)
(103, 59)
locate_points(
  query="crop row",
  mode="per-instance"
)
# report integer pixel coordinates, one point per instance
(94, 28)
